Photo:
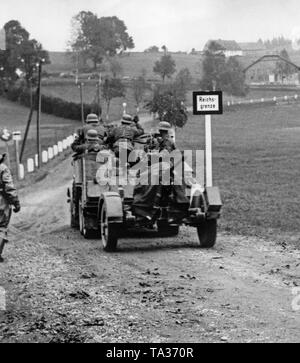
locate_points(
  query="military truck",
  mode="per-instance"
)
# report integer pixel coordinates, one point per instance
(105, 211)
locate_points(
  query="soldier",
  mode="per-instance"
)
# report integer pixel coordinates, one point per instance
(164, 140)
(92, 144)
(92, 123)
(8, 198)
(136, 123)
(147, 198)
(124, 134)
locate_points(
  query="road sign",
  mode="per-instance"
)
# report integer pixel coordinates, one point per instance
(17, 136)
(5, 135)
(207, 103)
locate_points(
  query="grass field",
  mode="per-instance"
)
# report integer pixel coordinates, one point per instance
(53, 129)
(256, 158)
(132, 63)
(68, 90)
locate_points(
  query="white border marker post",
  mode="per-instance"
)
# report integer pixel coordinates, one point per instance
(208, 103)
(208, 151)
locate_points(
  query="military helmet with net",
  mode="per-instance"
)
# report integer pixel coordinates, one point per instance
(92, 118)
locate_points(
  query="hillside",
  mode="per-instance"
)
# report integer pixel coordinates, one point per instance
(132, 63)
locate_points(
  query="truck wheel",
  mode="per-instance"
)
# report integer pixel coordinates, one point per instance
(87, 233)
(207, 233)
(165, 230)
(109, 231)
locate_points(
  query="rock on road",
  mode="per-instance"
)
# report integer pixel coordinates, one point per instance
(62, 288)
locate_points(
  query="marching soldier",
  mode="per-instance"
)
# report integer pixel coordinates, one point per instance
(8, 198)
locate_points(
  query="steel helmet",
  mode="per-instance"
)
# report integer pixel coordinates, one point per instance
(91, 118)
(92, 135)
(164, 126)
(127, 119)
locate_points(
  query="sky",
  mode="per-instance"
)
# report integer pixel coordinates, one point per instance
(178, 24)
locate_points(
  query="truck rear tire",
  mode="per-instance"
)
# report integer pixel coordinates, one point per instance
(109, 231)
(207, 233)
(86, 233)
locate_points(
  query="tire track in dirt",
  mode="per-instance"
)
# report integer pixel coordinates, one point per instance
(152, 289)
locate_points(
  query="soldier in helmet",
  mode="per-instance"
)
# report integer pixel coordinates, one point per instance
(163, 141)
(136, 123)
(8, 198)
(123, 135)
(92, 123)
(147, 198)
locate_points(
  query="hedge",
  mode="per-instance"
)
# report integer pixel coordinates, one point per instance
(50, 105)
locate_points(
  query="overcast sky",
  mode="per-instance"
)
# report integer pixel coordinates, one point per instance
(179, 24)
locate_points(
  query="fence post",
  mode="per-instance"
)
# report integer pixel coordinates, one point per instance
(30, 165)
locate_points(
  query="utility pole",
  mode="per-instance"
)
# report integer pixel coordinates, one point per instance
(39, 96)
(81, 102)
(99, 96)
(28, 124)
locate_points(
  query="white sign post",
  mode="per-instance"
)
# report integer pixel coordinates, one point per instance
(208, 103)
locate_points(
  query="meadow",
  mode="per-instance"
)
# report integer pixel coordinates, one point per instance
(256, 159)
(53, 129)
(132, 63)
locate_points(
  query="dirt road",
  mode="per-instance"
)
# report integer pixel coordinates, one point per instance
(62, 288)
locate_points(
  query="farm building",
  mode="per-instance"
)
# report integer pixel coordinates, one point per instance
(229, 47)
(253, 49)
(266, 72)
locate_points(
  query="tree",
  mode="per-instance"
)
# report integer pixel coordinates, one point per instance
(21, 53)
(282, 68)
(168, 106)
(182, 82)
(233, 78)
(115, 67)
(165, 67)
(112, 88)
(96, 38)
(152, 49)
(212, 67)
(219, 73)
(139, 86)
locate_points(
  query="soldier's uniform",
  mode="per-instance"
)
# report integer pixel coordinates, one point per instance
(123, 136)
(8, 198)
(147, 197)
(92, 123)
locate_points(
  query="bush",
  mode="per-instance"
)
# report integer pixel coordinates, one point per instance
(50, 105)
